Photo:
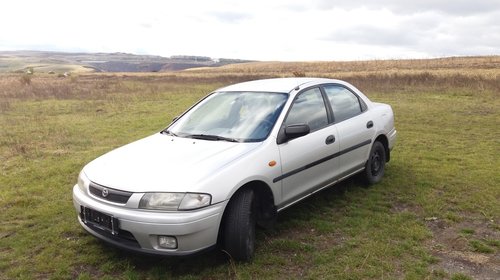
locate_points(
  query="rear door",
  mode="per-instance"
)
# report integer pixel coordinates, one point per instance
(354, 126)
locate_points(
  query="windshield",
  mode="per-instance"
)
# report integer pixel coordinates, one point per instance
(232, 116)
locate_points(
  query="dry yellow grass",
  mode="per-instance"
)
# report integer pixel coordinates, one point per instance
(485, 65)
(478, 73)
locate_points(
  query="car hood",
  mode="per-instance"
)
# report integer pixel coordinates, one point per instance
(164, 163)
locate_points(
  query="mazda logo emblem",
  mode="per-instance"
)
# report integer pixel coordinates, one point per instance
(105, 192)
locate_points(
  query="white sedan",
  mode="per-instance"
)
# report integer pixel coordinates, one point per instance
(231, 162)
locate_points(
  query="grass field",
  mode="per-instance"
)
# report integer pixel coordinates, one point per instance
(434, 216)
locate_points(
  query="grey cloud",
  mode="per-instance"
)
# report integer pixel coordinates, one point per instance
(373, 35)
(408, 32)
(455, 7)
(473, 36)
(431, 33)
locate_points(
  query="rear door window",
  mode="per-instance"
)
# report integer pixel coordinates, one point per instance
(345, 104)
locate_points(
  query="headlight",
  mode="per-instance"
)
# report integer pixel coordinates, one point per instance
(83, 181)
(174, 201)
(195, 200)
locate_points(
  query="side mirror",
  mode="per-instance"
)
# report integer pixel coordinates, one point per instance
(293, 131)
(296, 130)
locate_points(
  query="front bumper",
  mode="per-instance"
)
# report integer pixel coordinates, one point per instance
(139, 229)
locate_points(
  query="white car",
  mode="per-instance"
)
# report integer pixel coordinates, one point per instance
(231, 162)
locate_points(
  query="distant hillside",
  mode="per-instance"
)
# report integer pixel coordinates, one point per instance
(60, 62)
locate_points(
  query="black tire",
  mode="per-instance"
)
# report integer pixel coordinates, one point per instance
(239, 226)
(375, 165)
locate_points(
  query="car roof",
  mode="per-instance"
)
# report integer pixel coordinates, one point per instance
(276, 85)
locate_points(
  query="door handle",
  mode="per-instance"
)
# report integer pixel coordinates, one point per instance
(330, 139)
(369, 124)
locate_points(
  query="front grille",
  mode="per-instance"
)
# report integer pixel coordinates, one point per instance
(108, 194)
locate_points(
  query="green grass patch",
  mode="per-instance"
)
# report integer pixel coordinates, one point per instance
(481, 247)
(467, 231)
(493, 242)
(460, 276)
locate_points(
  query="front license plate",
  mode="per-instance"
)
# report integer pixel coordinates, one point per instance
(98, 219)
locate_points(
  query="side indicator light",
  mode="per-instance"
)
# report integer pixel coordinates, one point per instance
(272, 163)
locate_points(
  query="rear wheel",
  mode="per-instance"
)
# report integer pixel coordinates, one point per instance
(239, 226)
(375, 165)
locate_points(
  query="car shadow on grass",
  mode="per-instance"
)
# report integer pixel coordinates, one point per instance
(136, 265)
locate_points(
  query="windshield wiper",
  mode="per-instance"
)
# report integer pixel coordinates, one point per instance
(168, 132)
(211, 137)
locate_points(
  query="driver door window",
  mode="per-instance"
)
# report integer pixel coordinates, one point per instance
(308, 108)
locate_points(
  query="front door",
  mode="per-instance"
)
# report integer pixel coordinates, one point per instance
(307, 161)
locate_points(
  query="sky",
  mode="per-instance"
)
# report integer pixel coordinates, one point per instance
(284, 30)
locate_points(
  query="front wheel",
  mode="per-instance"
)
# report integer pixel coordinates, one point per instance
(239, 226)
(375, 165)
